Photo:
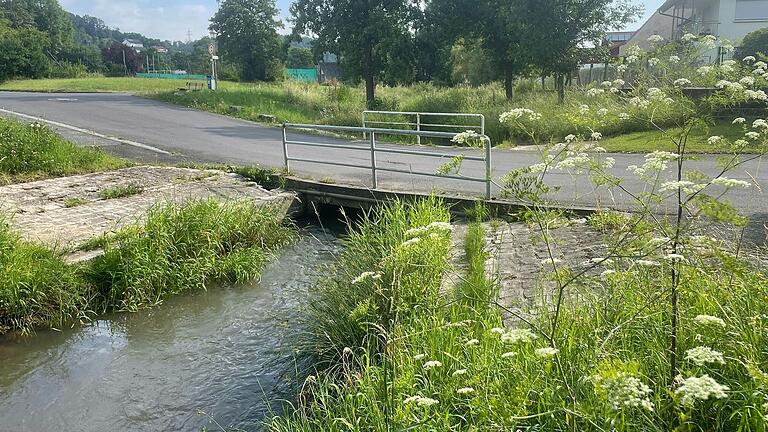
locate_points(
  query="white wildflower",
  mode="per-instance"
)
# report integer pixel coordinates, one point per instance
(704, 70)
(752, 135)
(570, 138)
(655, 39)
(595, 92)
(674, 258)
(624, 116)
(459, 372)
(508, 354)
(521, 335)
(631, 59)
(619, 82)
(760, 124)
(683, 185)
(730, 183)
(471, 342)
(498, 330)
(739, 120)
(607, 273)
(621, 68)
(547, 352)
(419, 357)
(761, 65)
(602, 112)
(469, 137)
(583, 108)
(411, 400)
(465, 390)
(756, 95)
(747, 81)
(701, 356)
(625, 391)
(708, 320)
(596, 136)
(366, 275)
(749, 59)
(519, 113)
(411, 242)
(714, 139)
(674, 59)
(648, 263)
(700, 388)
(432, 364)
(426, 402)
(606, 84)
(688, 37)
(653, 61)
(682, 82)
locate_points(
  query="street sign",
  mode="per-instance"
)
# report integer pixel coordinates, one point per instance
(215, 57)
(211, 49)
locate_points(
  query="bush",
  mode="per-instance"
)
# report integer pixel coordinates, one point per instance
(754, 44)
(68, 70)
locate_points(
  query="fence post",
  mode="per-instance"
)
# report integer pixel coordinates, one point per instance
(364, 136)
(418, 128)
(285, 149)
(488, 168)
(374, 179)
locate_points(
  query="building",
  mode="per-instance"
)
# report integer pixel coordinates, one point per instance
(726, 19)
(160, 49)
(133, 43)
(615, 40)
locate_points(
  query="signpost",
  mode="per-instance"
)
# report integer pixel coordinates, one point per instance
(212, 51)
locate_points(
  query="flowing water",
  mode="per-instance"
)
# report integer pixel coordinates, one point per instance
(224, 352)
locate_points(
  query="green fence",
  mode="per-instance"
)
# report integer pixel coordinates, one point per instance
(307, 75)
(171, 76)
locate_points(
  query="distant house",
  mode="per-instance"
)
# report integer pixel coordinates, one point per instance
(329, 69)
(615, 40)
(726, 19)
(133, 43)
(160, 49)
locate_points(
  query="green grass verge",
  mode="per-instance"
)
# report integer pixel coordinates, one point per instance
(32, 151)
(178, 248)
(418, 360)
(95, 84)
(121, 191)
(638, 142)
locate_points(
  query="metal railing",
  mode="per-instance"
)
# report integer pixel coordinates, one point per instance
(419, 123)
(374, 150)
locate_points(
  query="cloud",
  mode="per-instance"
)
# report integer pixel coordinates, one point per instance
(163, 20)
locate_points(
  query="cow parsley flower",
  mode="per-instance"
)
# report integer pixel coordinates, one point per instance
(625, 391)
(508, 354)
(739, 120)
(631, 59)
(704, 70)
(419, 357)
(657, 161)
(432, 364)
(471, 342)
(606, 84)
(700, 388)
(465, 390)
(619, 82)
(714, 139)
(701, 356)
(412, 242)
(459, 372)
(655, 39)
(730, 183)
(682, 82)
(624, 116)
(519, 113)
(760, 124)
(546, 353)
(583, 108)
(752, 135)
(607, 273)
(708, 320)
(683, 185)
(674, 258)
(621, 68)
(756, 95)
(521, 335)
(596, 136)
(674, 59)
(747, 81)
(749, 59)
(688, 37)
(570, 138)
(595, 92)
(761, 65)
(469, 137)
(648, 263)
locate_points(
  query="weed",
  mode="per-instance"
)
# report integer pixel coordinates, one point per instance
(75, 202)
(121, 191)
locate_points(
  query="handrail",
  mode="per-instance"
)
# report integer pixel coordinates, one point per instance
(374, 150)
(420, 125)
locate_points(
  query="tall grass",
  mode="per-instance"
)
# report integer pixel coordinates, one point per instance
(179, 248)
(182, 248)
(36, 286)
(451, 365)
(33, 151)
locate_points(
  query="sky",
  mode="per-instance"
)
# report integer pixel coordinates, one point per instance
(172, 19)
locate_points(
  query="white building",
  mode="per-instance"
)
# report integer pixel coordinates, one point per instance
(726, 19)
(133, 44)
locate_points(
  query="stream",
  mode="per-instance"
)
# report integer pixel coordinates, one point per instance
(225, 352)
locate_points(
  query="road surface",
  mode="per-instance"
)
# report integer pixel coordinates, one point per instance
(203, 137)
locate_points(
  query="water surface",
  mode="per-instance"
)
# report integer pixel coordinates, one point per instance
(224, 351)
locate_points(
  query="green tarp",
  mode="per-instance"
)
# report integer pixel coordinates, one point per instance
(308, 75)
(171, 76)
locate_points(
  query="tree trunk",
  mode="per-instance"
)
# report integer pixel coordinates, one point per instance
(508, 83)
(560, 85)
(370, 90)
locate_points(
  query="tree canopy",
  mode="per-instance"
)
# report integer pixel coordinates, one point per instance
(248, 36)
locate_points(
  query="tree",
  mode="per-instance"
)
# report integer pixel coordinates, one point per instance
(248, 36)
(130, 60)
(564, 29)
(299, 58)
(371, 37)
(46, 16)
(754, 44)
(471, 63)
(22, 52)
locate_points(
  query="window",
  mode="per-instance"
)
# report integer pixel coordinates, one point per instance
(751, 10)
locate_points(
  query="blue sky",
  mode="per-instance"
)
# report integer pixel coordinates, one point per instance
(171, 19)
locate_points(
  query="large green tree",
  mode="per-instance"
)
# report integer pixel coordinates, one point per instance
(46, 16)
(373, 38)
(248, 36)
(22, 52)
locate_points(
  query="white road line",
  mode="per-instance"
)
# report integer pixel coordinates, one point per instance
(87, 132)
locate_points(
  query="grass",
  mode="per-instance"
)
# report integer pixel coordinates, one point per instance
(32, 151)
(95, 84)
(697, 142)
(400, 355)
(75, 202)
(121, 191)
(36, 287)
(179, 248)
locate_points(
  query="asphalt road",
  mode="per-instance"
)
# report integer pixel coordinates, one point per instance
(198, 136)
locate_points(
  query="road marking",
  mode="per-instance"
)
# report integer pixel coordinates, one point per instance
(87, 132)
(63, 100)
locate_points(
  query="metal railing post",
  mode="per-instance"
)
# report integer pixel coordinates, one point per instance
(364, 136)
(488, 168)
(482, 124)
(418, 128)
(285, 148)
(374, 179)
